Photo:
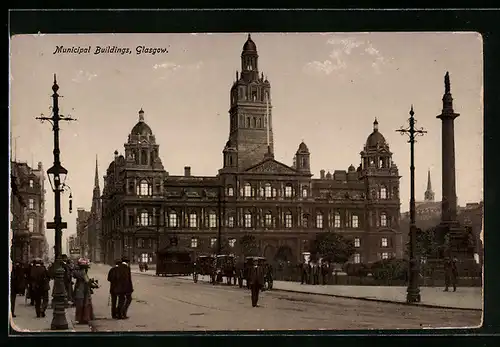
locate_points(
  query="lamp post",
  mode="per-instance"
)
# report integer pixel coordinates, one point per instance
(413, 291)
(57, 176)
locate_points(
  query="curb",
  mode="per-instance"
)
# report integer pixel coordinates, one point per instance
(372, 299)
(381, 300)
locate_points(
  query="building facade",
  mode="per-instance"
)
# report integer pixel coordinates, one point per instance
(82, 220)
(280, 204)
(27, 211)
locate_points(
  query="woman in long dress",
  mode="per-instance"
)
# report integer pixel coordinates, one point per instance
(83, 301)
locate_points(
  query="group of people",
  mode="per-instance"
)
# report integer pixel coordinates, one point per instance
(312, 271)
(33, 281)
(120, 288)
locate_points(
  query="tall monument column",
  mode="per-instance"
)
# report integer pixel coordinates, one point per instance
(447, 116)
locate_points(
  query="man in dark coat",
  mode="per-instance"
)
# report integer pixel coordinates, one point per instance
(39, 279)
(315, 273)
(124, 288)
(325, 272)
(451, 274)
(256, 281)
(112, 278)
(16, 285)
(305, 273)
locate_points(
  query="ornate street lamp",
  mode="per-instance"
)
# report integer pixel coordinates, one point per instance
(413, 291)
(57, 177)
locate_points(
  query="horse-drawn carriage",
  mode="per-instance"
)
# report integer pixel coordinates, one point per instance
(243, 271)
(174, 260)
(225, 267)
(203, 266)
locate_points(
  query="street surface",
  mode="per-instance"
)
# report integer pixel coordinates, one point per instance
(175, 304)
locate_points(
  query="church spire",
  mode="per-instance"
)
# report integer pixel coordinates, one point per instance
(429, 194)
(96, 177)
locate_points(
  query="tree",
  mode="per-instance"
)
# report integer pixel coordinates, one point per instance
(333, 247)
(248, 245)
(427, 243)
(224, 247)
(283, 254)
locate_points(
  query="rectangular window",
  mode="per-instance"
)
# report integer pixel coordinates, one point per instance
(383, 220)
(288, 191)
(212, 220)
(357, 242)
(384, 242)
(31, 184)
(248, 220)
(337, 220)
(288, 220)
(248, 190)
(319, 221)
(144, 218)
(357, 258)
(192, 220)
(213, 241)
(304, 192)
(232, 243)
(131, 220)
(268, 220)
(150, 243)
(230, 221)
(194, 242)
(268, 191)
(31, 204)
(172, 220)
(385, 255)
(31, 225)
(230, 191)
(355, 221)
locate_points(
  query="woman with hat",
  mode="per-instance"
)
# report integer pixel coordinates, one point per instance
(83, 291)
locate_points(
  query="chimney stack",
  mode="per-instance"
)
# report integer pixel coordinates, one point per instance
(187, 171)
(322, 174)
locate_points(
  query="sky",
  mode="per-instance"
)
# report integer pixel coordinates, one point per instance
(326, 89)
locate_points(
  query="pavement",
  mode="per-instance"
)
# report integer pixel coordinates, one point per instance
(26, 320)
(466, 298)
(178, 304)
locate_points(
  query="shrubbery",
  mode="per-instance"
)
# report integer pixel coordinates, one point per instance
(390, 269)
(357, 270)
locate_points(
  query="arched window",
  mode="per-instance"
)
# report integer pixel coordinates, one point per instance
(144, 157)
(288, 219)
(288, 191)
(259, 123)
(383, 192)
(254, 122)
(144, 218)
(140, 243)
(248, 122)
(337, 220)
(248, 219)
(261, 192)
(305, 220)
(383, 219)
(230, 191)
(248, 190)
(212, 220)
(268, 219)
(319, 220)
(172, 219)
(268, 190)
(32, 184)
(230, 160)
(144, 188)
(304, 192)
(193, 220)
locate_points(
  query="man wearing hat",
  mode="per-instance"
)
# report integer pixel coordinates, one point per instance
(113, 279)
(40, 286)
(256, 281)
(124, 288)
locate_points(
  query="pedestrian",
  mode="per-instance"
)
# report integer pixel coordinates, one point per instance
(16, 285)
(256, 281)
(305, 273)
(82, 297)
(450, 273)
(315, 273)
(124, 288)
(325, 269)
(29, 292)
(40, 286)
(112, 278)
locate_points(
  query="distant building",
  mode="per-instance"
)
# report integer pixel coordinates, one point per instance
(94, 221)
(281, 205)
(82, 230)
(27, 211)
(72, 243)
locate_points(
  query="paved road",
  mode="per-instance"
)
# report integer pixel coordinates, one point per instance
(173, 304)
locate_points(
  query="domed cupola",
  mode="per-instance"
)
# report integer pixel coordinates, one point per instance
(302, 158)
(249, 45)
(141, 128)
(376, 138)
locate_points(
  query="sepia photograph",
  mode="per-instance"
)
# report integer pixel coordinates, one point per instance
(246, 181)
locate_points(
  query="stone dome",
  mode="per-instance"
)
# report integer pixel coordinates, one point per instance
(249, 45)
(303, 148)
(141, 128)
(351, 168)
(376, 138)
